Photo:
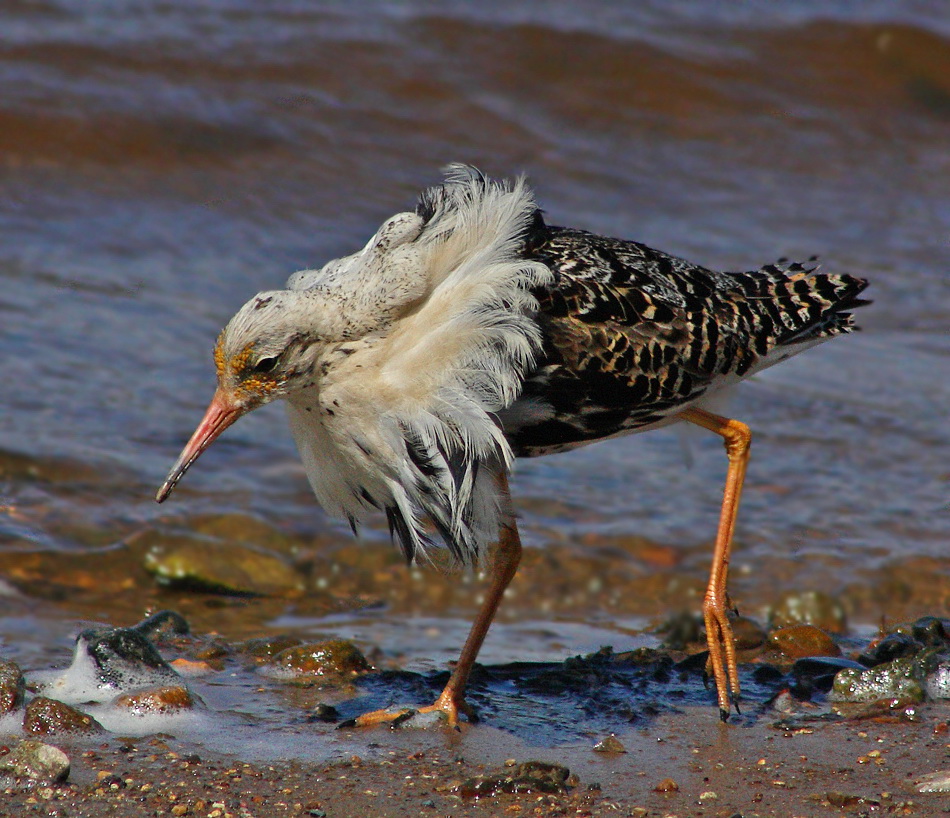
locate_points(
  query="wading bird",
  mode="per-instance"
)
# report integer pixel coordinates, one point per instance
(469, 332)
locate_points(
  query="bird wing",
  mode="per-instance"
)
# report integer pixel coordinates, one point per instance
(633, 335)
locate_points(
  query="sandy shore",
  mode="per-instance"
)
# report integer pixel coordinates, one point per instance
(866, 767)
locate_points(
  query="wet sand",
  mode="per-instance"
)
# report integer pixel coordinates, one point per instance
(864, 768)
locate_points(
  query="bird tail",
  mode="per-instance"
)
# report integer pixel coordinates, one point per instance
(803, 305)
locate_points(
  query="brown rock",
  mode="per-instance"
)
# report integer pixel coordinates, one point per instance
(11, 687)
(45, 716)
(202, 564)
(162, 700)
(799, 641)
(748, 633)
(336, 657)
(610, 744)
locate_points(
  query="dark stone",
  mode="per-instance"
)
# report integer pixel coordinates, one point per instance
(893, 646)
(122, 653)
(325, 713)
(163, 624)
(528, 777)
(817, 673)
(931, 631)
(767, 674)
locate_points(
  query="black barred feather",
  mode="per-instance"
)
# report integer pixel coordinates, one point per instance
(632, 335)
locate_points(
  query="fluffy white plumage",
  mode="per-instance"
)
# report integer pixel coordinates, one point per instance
(411, 345)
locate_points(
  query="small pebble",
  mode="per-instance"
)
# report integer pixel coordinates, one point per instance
(610, 744)
(893, 646)
(667, 785)
(36, 761)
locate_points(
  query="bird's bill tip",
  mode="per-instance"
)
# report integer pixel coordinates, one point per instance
(221, 413)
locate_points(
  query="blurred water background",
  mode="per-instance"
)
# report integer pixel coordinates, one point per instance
(160, 162)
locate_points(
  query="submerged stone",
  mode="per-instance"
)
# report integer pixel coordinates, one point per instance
(267, 647)
(202, 564)
(748, 633)
(12, 687)
(893, 646)
(809, 608)
(818, 673)
(335, 657)
(324, 712)
(799, 641)
(37, 761)
(46, 716)
(610, 744)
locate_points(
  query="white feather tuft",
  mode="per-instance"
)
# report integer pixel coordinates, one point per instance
(441, 322)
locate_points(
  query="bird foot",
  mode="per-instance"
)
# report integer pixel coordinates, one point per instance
(721, 664)
(446, 706)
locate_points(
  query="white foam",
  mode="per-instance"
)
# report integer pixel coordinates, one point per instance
(82, 682)
(132, 722)
(11, 724)
(78, 684)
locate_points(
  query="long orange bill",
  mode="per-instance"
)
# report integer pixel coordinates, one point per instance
(221, 413)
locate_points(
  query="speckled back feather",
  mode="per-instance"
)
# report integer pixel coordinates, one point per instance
(632, 335)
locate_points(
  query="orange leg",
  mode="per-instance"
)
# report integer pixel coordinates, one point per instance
(716, 603)
(451, 701)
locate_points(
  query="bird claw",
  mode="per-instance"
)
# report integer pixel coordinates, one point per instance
(393, 718)
(445, 705)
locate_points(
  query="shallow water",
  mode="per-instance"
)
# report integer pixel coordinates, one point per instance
(160, 163)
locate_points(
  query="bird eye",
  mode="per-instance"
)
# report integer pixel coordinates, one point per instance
(265, 364)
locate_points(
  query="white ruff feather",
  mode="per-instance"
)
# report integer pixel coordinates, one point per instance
(438, 316)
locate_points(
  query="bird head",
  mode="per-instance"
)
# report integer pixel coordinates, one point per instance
(268, 350)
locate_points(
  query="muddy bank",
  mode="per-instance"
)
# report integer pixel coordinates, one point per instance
(685, 764)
